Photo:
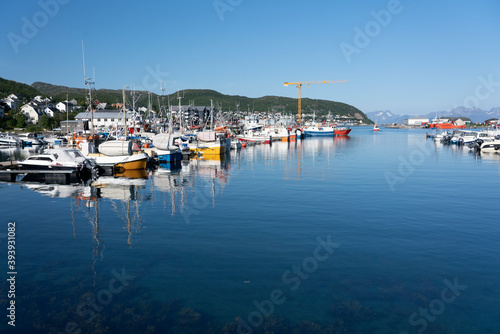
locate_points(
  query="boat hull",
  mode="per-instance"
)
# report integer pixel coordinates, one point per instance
(168, 156)
(308, 133)
(342, 132)
(491, 147)
(255, 140)
(127, 162)
(132, 165)
(210, 150)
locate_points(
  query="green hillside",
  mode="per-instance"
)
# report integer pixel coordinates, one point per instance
(8, 87)
(203, 97)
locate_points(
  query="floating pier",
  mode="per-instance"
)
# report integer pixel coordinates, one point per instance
(12, 173)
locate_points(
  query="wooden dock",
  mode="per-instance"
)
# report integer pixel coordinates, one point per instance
(12, 173)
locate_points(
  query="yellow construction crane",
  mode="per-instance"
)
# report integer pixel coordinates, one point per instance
(307, 83)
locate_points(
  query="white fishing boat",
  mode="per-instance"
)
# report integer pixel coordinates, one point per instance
(277, 133)
(315, 130)
(252, 136)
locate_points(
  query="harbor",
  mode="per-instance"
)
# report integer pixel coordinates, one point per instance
(246, 167)
(170, 226)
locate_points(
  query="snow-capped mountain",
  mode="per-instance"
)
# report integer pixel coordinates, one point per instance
(475, 115)
(385, 117)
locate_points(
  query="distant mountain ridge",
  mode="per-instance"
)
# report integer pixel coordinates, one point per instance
(475, 115)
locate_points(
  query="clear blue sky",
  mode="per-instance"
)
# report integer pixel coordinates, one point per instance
(426, 56)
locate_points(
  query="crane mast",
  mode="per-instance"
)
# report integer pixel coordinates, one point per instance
(299, 85)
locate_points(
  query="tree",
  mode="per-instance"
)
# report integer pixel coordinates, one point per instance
(20, 120)
(45, 122)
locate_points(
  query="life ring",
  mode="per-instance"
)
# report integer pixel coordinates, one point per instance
(79, 144)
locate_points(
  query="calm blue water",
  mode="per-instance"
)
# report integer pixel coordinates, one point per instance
(409, 231)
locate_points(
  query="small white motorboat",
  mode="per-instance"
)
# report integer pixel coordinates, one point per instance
(9, 141)
(61, 159)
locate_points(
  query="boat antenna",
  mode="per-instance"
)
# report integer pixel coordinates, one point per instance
(89, 82)
(83, 56)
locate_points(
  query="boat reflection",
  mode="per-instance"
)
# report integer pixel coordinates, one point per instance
(176, 186)
(182, 188)
(132, 174)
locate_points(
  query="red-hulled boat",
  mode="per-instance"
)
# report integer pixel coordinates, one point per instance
(341, 131)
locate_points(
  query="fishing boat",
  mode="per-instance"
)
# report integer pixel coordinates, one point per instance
(376, 128)
(342, 131)
(253, 136)
(315, 130)
(166, 150)
(208, 142)
(278, 133)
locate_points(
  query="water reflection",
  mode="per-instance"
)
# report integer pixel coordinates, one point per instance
(176, 187)
(122, 220)
(17, 153)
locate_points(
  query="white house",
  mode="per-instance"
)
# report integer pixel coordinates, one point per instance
(31, 112)
(103, 119)
(101, 106)
(456, 120)
(416, 121)
(39, 99)
(49, 111)
(61, 106)
(12, 101)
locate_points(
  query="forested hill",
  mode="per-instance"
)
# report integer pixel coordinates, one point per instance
(203, 97)
(189, 96)
(21, 90)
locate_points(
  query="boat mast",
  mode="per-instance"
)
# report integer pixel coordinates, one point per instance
(180, 112)
(125, 130)
(89, 83)
(212, 115)
(67, 118)
(149, 105)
